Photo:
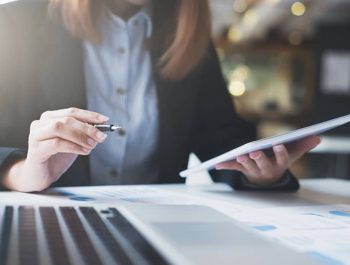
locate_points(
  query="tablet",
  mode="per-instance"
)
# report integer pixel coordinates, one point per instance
(267, 143)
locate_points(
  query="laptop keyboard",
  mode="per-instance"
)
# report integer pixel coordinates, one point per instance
(111, 244)
(71, 235)
(27, 236)
(137, 240)
(53, 232)
(6, 234)
(80, 236)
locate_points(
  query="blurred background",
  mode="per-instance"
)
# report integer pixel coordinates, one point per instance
(287, 65)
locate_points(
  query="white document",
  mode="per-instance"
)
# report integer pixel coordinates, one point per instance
(267, 143)
(320, 231)
(118, 195)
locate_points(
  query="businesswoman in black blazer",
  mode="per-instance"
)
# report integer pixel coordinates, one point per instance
(57, 61)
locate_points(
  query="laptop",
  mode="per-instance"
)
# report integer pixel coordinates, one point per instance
(132, 234)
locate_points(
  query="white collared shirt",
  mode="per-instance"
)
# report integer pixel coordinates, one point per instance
(120, 85)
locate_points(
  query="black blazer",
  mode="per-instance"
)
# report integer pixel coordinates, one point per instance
(41, 68)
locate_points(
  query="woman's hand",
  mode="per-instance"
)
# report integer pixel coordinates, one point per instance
(54, 143)
(263, 170)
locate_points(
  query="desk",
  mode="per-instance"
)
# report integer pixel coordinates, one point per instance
(312, 192)
(315, 220)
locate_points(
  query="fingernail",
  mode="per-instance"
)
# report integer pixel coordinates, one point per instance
(255, 155)
(278, 148)
(103, 118)
(101, 136)
(241, 159)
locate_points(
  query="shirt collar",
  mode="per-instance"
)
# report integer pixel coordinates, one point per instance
(144, 14)
(147, 14)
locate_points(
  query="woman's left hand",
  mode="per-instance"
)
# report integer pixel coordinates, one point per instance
(261, 169)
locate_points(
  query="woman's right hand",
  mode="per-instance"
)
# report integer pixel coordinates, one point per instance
(54, 143)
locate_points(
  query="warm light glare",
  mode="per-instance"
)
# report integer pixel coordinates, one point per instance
(250, 19)
(6, 1)
(298, 9)
(240, 73)
(237, 88)
(234, 35)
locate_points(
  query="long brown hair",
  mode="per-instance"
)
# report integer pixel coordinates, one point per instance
(186, 43)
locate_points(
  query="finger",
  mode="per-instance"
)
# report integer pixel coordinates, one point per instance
(297, 149)
(68, 129)
(249, 166)
(262, 162)
(79, 114)
(281, 155)
(59, 123)
(230, 165)
(57, 145)
(90, 130)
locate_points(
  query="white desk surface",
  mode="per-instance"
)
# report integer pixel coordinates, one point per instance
(312, 192)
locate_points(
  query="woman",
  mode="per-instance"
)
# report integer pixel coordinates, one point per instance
(148, 65)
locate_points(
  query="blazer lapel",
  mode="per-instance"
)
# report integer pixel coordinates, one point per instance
(62, 68)
(176, 99)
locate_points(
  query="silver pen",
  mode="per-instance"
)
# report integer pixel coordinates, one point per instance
(108, 127)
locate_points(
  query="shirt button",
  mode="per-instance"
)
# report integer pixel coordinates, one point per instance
(121, 50)
(120, 91)
(121, 132)
(114, 173)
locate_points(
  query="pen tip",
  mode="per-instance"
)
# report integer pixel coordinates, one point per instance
(114, 128)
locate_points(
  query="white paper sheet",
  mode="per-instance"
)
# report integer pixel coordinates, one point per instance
(322, 232)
